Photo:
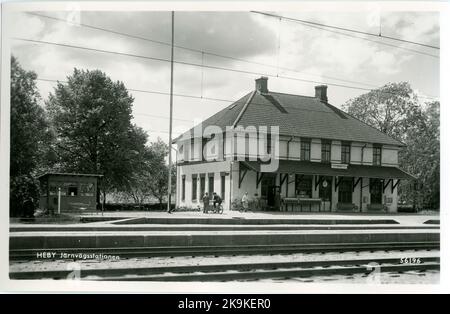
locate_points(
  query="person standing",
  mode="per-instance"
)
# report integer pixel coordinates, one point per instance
(205, 203)
(245, 201)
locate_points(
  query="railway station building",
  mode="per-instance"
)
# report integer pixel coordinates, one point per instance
(288, 153)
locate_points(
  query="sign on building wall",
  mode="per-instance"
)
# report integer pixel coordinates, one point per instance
(339, 166)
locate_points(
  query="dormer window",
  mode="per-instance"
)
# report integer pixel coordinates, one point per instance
(345, 153)
(377, 155)
(192, 148)
(326, 151)
(269, 143)
(305, 149)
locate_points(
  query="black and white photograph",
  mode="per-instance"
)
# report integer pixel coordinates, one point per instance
(189, 145)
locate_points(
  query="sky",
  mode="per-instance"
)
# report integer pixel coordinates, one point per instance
(280, 47)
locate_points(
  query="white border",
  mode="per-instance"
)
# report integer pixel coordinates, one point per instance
(211, 288)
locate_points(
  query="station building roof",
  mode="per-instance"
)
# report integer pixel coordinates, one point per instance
(296, 115)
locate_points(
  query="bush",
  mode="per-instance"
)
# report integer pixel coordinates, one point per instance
(22, 188)
(135, 207)
(405, 208)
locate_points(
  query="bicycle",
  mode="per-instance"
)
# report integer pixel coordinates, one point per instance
(216, 210)
(237, 205)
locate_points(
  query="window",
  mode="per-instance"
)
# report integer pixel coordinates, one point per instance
(326, 151)
(204, 152)
(202, 185)
(222, 186)
(53, 189)
(224, 145)
(345, 191)
(194, 187)
(345, 153)
(305, 150)
(86, 189)
(303, 186)
(192, 147)
(180, 150)
(183, 188)
(235, 146)
(269, 143)
(376, 155)
(213, 147)
(73, 190)
(211, 184)
(247, 147)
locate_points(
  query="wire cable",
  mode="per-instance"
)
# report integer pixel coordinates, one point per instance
(201, 51)
(347, 30)
(199, 65)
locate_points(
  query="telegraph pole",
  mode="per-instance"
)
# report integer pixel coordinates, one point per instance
(169, 185)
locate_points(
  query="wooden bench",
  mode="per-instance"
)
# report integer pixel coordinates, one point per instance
(377, 207)
(296, 203)
(346, 206)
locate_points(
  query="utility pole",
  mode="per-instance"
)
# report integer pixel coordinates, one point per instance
(169, 185)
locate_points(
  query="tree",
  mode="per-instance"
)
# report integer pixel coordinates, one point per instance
(395, 110)
(91, 116)
(159, 171)
(421, 157)
(29, 137)
(150, 179)
(392, 109)
(138, 187)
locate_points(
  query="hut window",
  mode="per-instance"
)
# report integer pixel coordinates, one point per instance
(86, 189)
(73, 190)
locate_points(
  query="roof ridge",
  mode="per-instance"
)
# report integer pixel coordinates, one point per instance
(217, 113)
(291, 94)
(247, 103)
(351, 116)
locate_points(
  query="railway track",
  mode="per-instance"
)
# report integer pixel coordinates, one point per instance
(211, 228)
(128, 252)
(242, 271)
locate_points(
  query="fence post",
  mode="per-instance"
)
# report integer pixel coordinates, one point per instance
(59, 201)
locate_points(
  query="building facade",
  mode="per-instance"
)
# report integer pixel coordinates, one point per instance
(289, 153)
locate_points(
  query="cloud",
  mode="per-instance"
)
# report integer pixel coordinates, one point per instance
(284, 48)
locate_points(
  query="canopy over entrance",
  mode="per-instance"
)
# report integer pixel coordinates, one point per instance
(322, 169)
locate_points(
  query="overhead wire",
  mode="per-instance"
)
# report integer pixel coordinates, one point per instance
(347, 30)
(198, 65)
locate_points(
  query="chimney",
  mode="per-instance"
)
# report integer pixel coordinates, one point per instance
(261, 85)
(321, 93)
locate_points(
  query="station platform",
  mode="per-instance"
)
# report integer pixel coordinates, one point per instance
(110, 239)
(160, 231)
(240, 218)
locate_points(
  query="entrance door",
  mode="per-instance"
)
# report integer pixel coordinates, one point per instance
(345, 191)
(268, 189)
(325, 192)
(376, 191)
